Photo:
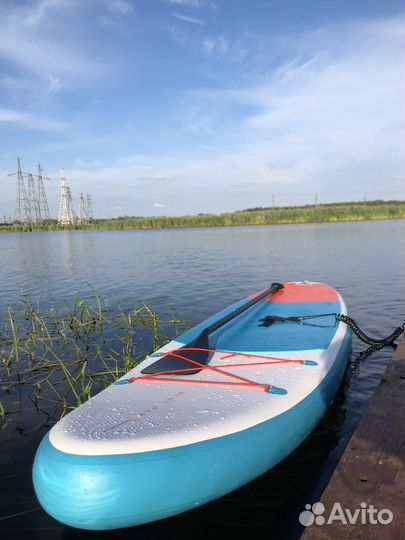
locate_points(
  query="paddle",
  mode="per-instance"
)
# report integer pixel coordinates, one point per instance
(168, 363)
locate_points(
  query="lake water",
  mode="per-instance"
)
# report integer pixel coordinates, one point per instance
(197, 272)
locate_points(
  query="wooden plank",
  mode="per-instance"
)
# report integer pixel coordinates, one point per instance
(371, 469)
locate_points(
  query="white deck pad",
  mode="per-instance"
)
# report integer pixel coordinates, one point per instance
(149, 415)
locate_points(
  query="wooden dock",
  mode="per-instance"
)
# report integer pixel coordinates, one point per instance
(371, 469)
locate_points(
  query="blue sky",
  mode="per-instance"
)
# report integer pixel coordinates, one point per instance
(183, 106)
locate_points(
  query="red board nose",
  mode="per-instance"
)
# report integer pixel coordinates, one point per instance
(302, 293)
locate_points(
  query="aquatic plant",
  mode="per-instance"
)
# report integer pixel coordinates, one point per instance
(52, 359)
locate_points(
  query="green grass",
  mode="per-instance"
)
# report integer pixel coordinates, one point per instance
(54, 359)
(354, 211)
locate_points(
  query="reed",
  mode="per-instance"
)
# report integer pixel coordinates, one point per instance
(52, 359)
(355, 211)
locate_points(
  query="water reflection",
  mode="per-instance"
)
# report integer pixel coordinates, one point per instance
(33, 253)
(67, 253)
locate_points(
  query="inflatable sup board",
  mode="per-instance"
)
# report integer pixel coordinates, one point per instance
(208, 412)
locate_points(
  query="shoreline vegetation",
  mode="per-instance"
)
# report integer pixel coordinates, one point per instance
(321, 213)
(53, 358)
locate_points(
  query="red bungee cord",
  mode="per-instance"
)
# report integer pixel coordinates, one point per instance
(242, 382)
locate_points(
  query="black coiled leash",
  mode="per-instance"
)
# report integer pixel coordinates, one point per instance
(374, 344)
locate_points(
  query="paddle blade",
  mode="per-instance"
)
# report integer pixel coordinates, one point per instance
(171, 363)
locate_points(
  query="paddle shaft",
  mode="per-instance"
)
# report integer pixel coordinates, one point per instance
(201, 344)
(273, 289)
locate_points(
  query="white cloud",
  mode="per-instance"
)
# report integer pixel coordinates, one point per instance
(35, 15)
(121, 7)
(31, 121)
(216, 46)
(12, 117)
(334, 108)
(189, 3)
(158, 205)
(26, 41)
(179, 32)
(329, 119)
(208, 45)
(54, 84)
(185, 18)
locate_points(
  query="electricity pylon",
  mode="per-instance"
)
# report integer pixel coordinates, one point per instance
(70, 205)
(66, 214)
(31, 203)
(42, 200)
(22, 206)
(89, 208)
(35, 211)
(82, 214)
